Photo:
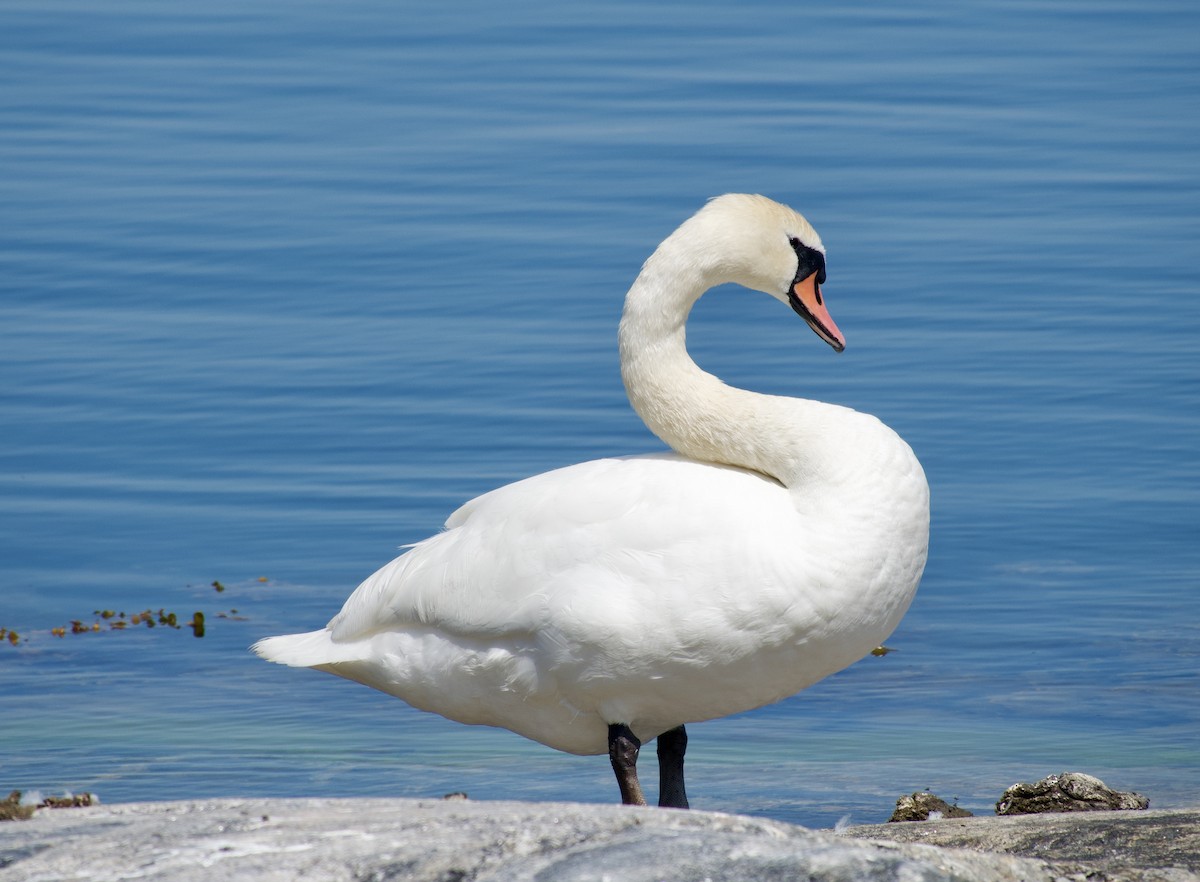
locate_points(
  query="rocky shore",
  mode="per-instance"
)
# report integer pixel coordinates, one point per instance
(460, 840)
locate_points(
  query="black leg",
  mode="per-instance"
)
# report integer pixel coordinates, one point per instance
(671, 747)
(623, 747)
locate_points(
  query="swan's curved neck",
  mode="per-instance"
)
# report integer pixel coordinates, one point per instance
(691, 410)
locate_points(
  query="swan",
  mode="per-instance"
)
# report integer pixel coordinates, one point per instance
(598, 606)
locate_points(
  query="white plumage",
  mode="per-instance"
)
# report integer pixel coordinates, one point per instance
(782, 541)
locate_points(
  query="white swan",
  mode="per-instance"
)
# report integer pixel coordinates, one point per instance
(597, 606)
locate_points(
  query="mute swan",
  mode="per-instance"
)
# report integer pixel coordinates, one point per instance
(597, 606)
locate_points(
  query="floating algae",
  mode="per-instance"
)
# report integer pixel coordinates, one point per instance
(120, 621)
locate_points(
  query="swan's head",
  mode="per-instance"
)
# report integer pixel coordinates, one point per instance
(760, 244)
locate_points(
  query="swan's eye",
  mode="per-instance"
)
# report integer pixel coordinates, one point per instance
(808, 261)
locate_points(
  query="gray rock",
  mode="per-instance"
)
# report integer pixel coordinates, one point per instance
(1109, 846)
(454, 841)
(1068, 792)
(457, 840)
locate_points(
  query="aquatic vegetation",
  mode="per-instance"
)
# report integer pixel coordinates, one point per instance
(16, 808)
(121, 621)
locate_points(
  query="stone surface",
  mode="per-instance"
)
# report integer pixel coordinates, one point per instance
(920, 805)
(1149, 845)
(1068, 792)
(452, 841)
(456, 841)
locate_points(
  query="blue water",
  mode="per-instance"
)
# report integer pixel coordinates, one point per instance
(282, 285)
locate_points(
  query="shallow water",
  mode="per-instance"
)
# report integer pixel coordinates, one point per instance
(280, 288)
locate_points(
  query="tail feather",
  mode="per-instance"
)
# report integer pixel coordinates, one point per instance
(305, 650)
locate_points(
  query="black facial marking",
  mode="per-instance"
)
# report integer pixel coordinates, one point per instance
(809, 261)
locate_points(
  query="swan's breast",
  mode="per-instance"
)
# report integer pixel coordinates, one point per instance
(871, 506)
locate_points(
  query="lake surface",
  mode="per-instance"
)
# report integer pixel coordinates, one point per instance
(281, 286)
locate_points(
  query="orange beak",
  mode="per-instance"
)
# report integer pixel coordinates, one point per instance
(805, 298)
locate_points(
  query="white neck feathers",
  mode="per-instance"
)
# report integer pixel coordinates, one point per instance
(692, 411)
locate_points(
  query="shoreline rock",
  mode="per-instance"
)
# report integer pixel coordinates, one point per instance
(457, 840)
(1067, 792)
(1155, 844)
(923, 806)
